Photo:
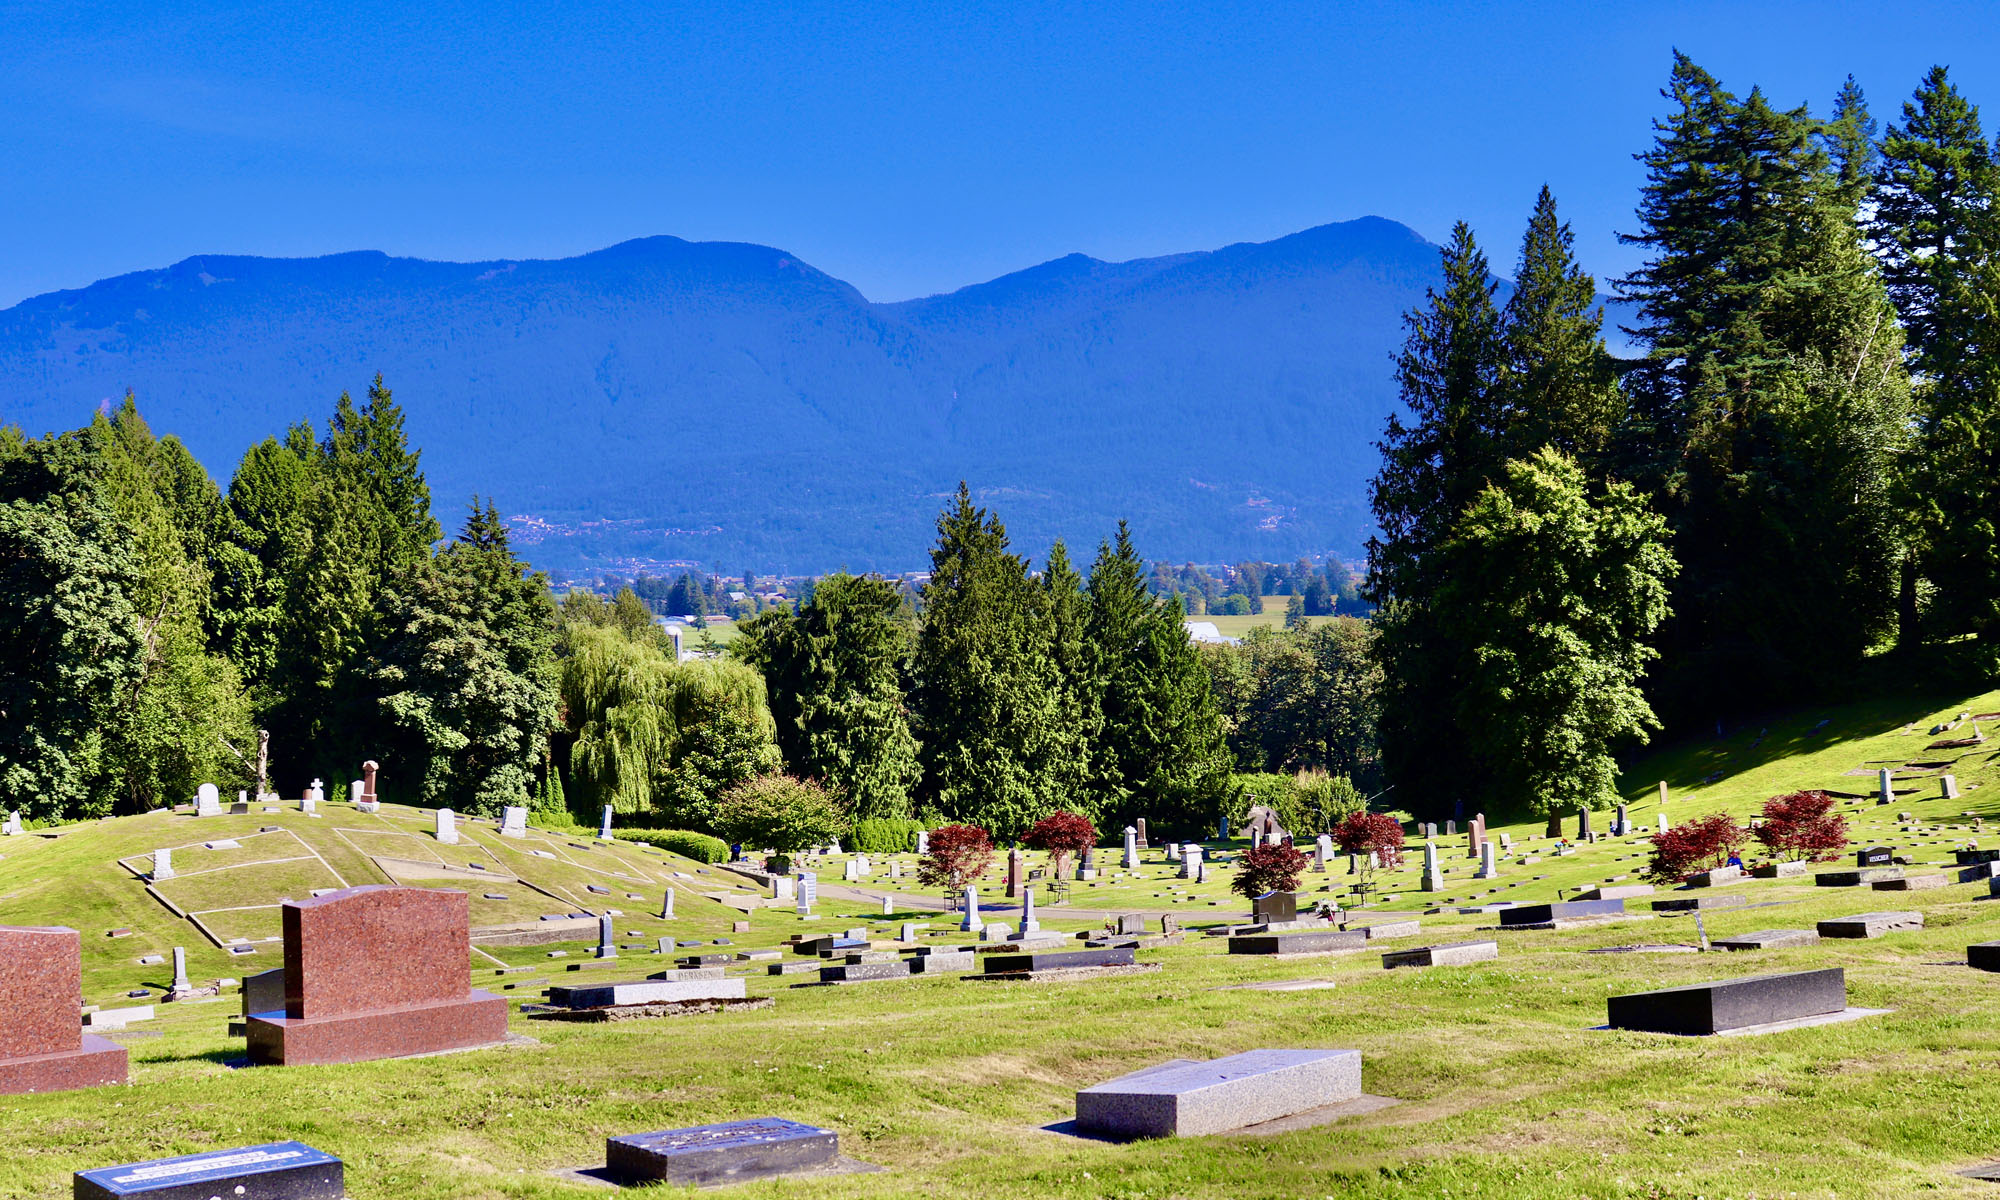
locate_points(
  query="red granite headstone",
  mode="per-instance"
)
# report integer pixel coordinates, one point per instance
(377, 972)
(368, 795)
(43, 1047)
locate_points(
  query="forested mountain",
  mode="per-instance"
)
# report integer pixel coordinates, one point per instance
(729, 404)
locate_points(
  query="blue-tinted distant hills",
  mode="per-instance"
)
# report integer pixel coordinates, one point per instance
(731, 405)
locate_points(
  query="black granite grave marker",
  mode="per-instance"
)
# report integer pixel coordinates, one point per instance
(274, 1171)
(1704, 1008)
(731, 1152)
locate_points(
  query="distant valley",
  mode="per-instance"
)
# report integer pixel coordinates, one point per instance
(729, 405)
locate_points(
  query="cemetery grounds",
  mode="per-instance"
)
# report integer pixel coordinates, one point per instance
(1506, 1087)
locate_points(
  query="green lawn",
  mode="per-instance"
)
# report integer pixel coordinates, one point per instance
(1507, 1090)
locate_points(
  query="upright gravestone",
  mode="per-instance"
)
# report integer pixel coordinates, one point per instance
(971, 923)
(1028, 923)
(1582, 823)
(163, 865)
(1256, 836)
(207, 801)
(1131, 848)
(447, 827)
(377, 972)
(1488, 864)
(1140, 825)
(607, 938)
(667, 906)
(1451, 828)
(1663, 793)
(1016, 868)
(12, 826)
(42, 1044)
(370, 799)
(923, 841)
(1948, 787)
(783, 888)
(1621, 825)
(1660, 823)
(1433, 877)
(354, 793)
(808, 892)
(604, 829)
(314, 795)
(1322, 852)
(181, 988)
(514, 821)
(1222, 828)
(1888, 792)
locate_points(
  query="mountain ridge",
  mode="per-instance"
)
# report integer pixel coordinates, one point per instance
(729, 404)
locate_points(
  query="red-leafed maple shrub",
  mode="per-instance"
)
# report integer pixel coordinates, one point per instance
(1273, 867)
(1802, 825)
(1699, 845)
(958, 855)
(1062, 835)
(1376, 837)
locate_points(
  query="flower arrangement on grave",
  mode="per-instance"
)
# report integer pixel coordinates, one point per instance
(958, 855)
(1700, 845)
(1061, 835)
(1271, 867)
(1376, 839)
(1802, 825)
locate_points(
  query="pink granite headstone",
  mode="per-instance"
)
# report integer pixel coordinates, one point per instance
(377, 972)
(43, 1047)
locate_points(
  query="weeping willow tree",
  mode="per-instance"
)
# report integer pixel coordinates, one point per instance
(654, 737)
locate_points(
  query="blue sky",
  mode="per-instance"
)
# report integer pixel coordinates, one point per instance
(907, 149)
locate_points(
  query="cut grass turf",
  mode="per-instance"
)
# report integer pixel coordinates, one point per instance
(1507, 1088)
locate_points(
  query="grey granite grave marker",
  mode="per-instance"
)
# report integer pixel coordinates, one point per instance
(273, 1171)
(1194, 1099)
(730, 1152)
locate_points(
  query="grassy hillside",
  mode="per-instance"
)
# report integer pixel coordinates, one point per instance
(1507, 1089)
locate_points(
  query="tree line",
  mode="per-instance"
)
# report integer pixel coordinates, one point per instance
(1795, 477)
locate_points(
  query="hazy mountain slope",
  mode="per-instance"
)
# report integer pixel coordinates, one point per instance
(728, 403)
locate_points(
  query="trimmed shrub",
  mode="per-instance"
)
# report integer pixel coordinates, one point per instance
(697, 846)
(886, 835)
(777, 812)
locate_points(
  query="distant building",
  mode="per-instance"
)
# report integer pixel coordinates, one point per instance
(1204, 633)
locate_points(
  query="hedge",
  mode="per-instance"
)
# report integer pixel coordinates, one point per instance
(886, 835)
(697, 846)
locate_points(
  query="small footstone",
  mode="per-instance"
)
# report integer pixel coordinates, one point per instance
(1702, 903)
(1868, 925)
(1450, 954)
(1912, 883)
(1768, 939)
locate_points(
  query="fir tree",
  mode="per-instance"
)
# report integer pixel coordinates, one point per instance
(1559, 383)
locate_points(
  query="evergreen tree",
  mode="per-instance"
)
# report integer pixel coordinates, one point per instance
(1558, 383)
(465, 676)
(1432, 467)
(986, 701)
(1937, 233)
(834, 674)
(1848, 138)
(1160, 753)
(1771, 404)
